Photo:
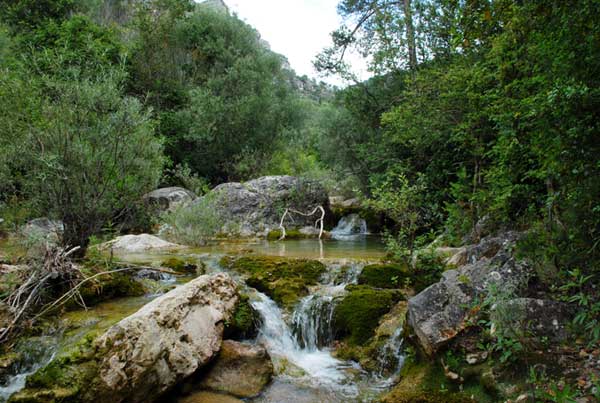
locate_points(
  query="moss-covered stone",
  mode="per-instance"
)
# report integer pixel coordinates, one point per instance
(243, 323)
(283, 279)
(289, 234)
(66, 379)
(357, 315)
(391, 275)
(110, 286)
(425, 382)
(180, 266)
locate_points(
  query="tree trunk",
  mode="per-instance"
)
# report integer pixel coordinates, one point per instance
(410, 36)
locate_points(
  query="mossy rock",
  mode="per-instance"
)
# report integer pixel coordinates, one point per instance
(283, 279)
(243, 323)
(390, 275)
(289, 234)
(425, 382)
(357, 315)
(109, 286)
(66, 379)
(180, 266)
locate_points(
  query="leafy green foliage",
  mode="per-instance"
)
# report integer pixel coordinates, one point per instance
(579, 289)
(87, 153)
(195, 224)
(224, 99)
(496, 122)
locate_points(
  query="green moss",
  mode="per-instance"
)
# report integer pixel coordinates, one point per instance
(289, 234)
(110, 286)
(243, 322)
(384, 275)
(180, 266)
(358, 313)
(423, 380)
(66, 378)
(283, 279)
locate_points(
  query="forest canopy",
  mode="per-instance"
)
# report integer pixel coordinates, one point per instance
(479, 110)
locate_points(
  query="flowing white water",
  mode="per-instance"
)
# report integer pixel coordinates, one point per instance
(349, 228)
(391, 358)
(318, 364)
(38, 353)
(312, 320)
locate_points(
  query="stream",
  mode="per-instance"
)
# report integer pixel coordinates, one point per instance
(300, 342)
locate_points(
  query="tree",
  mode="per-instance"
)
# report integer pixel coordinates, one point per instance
(226, 99)
(383, 31)
(87, 153)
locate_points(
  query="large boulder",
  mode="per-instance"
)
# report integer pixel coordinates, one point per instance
(240, 369)
(254, 208)
(139, 243)
(440, 312)
(487, 247)
(168, 339)
(167, 199)
(145, 354)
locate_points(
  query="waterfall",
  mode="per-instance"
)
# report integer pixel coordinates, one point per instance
(350, 227)
(313, 321)
(319, 365)
(37, 353)
(391, 358)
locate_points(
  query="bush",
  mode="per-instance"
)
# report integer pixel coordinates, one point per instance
(86, 152)
(194, 224)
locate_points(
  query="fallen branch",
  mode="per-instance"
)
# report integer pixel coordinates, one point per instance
(55, 265)
(318, 222)
(72, 292)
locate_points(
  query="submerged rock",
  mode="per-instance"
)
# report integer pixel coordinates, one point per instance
(254, 208)
(240, 369)
(209, 397)
(167, 199)
(143, 355)
(139, 243)
(438, 313)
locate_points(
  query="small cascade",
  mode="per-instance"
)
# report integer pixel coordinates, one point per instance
(312, 321)
(319, 365)
(37, 353)
(391, 358)
(350, 227)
